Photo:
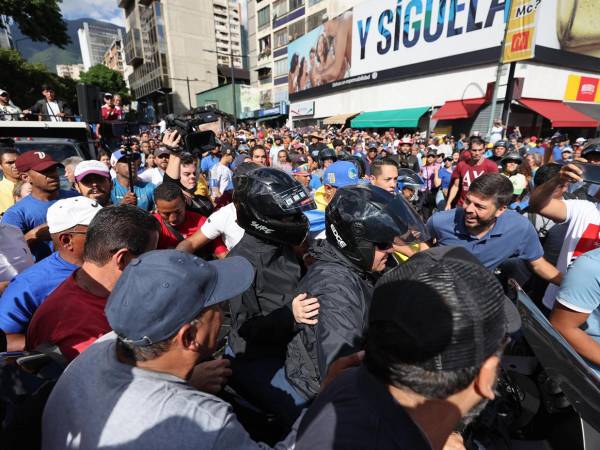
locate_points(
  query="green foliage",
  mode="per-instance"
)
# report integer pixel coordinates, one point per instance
(41, 20)
(23, 81)
(106, 79)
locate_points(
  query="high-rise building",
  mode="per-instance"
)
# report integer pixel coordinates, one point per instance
(272, 24)
(6, 40)
(94, 39)
(175, 46)
(69, 70)
(114, 58)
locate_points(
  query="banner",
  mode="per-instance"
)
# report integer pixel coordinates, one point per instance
(582, 89)
(520, 34)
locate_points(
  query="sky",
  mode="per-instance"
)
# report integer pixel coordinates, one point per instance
(106, 10)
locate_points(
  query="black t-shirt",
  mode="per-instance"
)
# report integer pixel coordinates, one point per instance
(355, 412)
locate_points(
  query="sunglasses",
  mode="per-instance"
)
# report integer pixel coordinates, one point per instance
(5, 94)
(163, 156)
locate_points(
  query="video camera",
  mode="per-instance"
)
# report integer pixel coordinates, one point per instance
(195, 141)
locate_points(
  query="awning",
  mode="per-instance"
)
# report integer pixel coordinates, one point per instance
(558, 113)
(339, 119)
(397, 118)
(589, 109)
(459, 109)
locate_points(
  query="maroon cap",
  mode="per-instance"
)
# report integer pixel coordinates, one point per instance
(35, 160)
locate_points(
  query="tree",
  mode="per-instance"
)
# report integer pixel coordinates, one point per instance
(41, 20)
(23, 81)
(106, 79)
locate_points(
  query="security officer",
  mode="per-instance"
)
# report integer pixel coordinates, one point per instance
(362, 224)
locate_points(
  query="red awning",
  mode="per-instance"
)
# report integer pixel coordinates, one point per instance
(559, 114)
(459, 109)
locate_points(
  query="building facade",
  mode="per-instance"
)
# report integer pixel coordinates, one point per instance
(272, 24)
(69, 70)
(387, 64)
(114, 58)
(94, 39)
(174, 48)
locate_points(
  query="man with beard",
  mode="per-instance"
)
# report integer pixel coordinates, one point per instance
(490, 231)
(467, 171)
(29, 213)
(405, 157)
(427, 364)
(92, 180)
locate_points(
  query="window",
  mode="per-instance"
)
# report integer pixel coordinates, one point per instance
(314, 20)
(280, 8)
(264, 18)
(295, 4)
(314, 2)
(295, 30)
(280, 38)
(264, 47)
(280, 67)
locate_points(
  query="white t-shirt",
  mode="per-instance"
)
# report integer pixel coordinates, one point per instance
(15, 256)
(53, 111)
(583, 235)
(223, 223)
(153, 175)
(220, 177)
(273, 151)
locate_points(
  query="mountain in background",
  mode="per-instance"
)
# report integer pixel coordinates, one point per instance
(40, 52)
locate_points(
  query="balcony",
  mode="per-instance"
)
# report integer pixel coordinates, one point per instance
(133, 48)
(126, 4)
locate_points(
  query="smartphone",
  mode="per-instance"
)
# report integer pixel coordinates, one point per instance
(591, 173)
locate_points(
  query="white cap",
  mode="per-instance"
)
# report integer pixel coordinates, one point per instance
(581, 140)
(87, 167)
(68, 212)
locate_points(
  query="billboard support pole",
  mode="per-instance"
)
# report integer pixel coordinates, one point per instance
(498, 75)
(508, 97)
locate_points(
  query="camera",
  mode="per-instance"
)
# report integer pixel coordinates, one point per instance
(195, 142)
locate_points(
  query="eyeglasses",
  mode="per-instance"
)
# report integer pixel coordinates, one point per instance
(163, 156)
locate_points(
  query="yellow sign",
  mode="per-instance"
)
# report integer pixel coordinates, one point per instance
(520, 31)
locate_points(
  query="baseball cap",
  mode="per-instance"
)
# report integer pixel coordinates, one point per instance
(301, 170)
(34, 160)
(2, 92)
(107, 94)
(580, 141)
(160, 150)
(567, 150)
(144, 308)
(592, 148)
(120, 154)
(340, 174)
(461, 317)
(533, 138)
(85, 168)
(68, 212)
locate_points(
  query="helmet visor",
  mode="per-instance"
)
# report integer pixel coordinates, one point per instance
(294, 200)
(398, 223)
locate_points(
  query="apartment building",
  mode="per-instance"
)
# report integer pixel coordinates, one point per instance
(114, 58)
(174, 48)
(272, 25)
(6, 40)
(94, 39)
(72, 71)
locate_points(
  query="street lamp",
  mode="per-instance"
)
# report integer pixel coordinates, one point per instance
(231, 55)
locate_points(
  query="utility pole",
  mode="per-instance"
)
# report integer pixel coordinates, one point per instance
(187, 80)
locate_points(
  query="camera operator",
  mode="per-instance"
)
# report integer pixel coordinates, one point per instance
(143, 193)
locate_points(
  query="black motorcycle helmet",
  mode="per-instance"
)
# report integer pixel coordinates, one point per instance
(361, 217)
(501, 143)
(326, 153)
(269, 205)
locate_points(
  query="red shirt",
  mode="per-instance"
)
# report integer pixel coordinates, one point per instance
(70, 318)
(109, 113)
(192, 223)
(467, 173)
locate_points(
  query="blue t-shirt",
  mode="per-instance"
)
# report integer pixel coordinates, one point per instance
(208, 162)
(580, 291)
(28, 290)
(144, 192)
(445, 175)
(513, 236)
(557, 152)
(28, 213)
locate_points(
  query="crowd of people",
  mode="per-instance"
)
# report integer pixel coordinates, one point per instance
(339, 288)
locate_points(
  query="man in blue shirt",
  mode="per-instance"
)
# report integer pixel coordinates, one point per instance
(29, 213)
(68, 220)
(576, 313)
(489, 230)
(210, 160)
(143, 193)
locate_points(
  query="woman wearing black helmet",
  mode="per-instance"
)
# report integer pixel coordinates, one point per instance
(511, 169)
(362, 224)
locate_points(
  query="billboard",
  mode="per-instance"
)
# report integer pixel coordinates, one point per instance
(519, 43)
(386, 40)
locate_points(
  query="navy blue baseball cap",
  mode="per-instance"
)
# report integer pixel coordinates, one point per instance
(160, 291)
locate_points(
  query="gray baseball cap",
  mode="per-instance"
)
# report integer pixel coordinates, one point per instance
(161, 290)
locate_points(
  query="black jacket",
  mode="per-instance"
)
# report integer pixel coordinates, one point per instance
(262, 318)
(41, 107)
(344, 293)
